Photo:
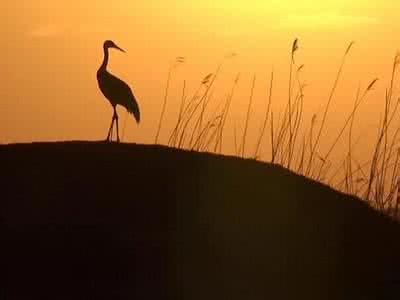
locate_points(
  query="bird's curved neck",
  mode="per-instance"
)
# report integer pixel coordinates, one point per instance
(105, 60)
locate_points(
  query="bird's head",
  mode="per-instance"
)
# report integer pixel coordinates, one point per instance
(110, 44)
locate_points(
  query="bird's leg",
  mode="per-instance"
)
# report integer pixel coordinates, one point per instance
(110, 130)
(116, 118)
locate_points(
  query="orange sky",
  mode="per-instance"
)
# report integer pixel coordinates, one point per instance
(51, 51)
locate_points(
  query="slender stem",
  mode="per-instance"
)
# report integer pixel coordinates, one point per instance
(164, 106)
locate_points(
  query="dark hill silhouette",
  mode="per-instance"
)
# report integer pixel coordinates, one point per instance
(89, 220)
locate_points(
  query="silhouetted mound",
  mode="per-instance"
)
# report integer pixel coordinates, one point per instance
(81, 220)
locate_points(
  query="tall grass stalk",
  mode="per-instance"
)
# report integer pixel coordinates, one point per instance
(226, 112)
(248, 115)
(174, 134)
(178, 60)
(349, 118)
(332, 92)
(294, 49)
(264, 125)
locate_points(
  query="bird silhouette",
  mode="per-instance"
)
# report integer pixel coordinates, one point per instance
(116, 91)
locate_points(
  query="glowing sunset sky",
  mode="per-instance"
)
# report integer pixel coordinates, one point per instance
(50, 53)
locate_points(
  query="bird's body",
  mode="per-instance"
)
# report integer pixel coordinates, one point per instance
(115, 90)
(118, 93)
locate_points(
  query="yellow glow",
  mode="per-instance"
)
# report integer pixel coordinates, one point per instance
(53, 49)
(327, 20)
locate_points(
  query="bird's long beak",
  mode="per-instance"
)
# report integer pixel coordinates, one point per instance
(122, 50)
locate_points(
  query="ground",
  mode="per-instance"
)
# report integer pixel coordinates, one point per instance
(91, 220)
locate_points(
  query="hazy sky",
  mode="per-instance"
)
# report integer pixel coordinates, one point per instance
(51, 50)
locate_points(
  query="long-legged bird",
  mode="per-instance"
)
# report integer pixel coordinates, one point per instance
(116, 91)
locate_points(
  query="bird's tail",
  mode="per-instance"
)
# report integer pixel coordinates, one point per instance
(133, 108)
